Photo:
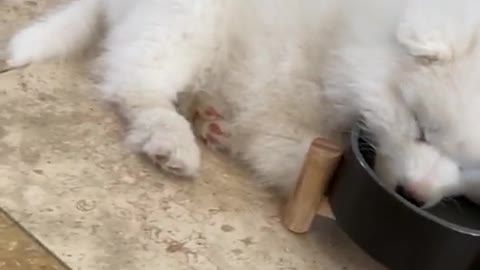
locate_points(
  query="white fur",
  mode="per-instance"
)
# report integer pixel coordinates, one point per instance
(289, 71)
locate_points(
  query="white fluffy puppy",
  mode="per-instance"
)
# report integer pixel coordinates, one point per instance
(288, 71)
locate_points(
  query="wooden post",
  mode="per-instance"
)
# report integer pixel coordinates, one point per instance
(308, 199)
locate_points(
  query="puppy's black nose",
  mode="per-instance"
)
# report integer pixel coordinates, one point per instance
(400, 190)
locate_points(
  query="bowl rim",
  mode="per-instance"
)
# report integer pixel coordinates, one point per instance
(354, 140)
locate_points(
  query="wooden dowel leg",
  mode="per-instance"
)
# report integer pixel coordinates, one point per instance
(319, 165)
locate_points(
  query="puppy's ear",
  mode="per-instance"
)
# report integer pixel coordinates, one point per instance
(425, 45)
(439, 30)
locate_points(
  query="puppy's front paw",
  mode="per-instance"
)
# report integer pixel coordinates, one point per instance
(32, 44)
(166, 137)
(14, 54)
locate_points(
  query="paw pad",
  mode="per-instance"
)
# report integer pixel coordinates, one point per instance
(210, 112)
(215, 128)
(211, 127)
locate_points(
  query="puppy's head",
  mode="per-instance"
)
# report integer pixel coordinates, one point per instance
(434, 140)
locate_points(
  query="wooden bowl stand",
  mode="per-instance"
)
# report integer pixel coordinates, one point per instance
(309, 198)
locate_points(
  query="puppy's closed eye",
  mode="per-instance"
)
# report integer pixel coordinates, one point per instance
(425, 133)
(421, 131)
(421, 137)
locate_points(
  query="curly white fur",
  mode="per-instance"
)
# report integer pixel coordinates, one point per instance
(289, 70)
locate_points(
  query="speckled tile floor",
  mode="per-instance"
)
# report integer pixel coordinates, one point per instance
(68, 180)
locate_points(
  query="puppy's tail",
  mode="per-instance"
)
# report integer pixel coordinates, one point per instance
(69, 29)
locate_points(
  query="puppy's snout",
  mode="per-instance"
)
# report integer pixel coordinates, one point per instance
(409, 196)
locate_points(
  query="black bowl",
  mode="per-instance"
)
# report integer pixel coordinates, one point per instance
(394, 231)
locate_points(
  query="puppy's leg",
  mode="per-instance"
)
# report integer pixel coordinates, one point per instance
(144, 74)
